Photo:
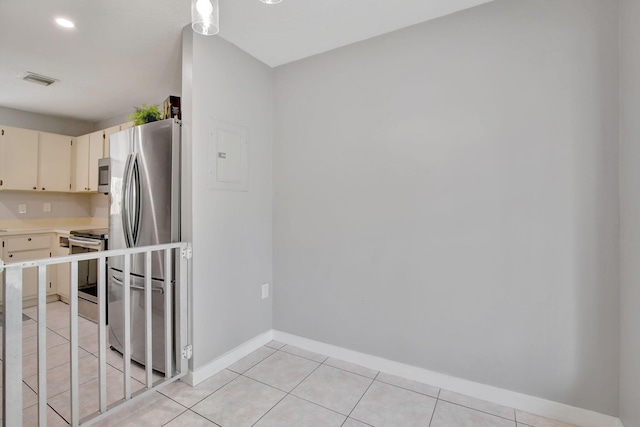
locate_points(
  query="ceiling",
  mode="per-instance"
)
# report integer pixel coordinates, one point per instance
(123, 53)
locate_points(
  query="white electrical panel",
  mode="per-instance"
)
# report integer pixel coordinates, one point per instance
(228, 157)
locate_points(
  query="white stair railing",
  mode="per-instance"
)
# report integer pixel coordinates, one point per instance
(175, 301)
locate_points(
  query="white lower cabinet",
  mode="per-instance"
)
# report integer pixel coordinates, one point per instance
(63, 271)
(20, 248)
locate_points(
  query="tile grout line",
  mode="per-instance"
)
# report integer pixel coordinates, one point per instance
(346, 370)
(361, 397)
(479, 410)
(270, 409)
(263, 383)
(175, 416)
(208, 395)
(433, 414)
(59, 414)
(287, 393)
(319, 405)
(184, 412)
(293, 354)
(293, 395)
(252, 366)
(408, 389)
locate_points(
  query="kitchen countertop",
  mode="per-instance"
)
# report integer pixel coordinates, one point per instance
(50, 225)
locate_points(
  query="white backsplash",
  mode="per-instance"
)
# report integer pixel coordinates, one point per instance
(63, 205)
(100, 205)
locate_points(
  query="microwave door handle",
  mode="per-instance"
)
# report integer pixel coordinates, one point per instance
(137, 288)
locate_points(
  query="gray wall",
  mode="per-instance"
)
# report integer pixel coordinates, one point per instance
(232, 239)
(44, 123)
(630, 214)
(447, 196)
(114, 121)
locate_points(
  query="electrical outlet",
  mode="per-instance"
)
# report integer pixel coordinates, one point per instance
(265, 291)
(47, 207)
(22, 209)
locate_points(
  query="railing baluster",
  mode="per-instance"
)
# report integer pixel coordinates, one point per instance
(12, 347)
(102, 332)
(126, 357)
(73, 342)
(168, 312)
(181, 309)
(42, 346)
(147, 321)
(175, 328)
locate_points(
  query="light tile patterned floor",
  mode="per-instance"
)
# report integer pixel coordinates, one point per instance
(276, 386)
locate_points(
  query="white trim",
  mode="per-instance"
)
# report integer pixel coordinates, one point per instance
(193, 378)
(535, 405)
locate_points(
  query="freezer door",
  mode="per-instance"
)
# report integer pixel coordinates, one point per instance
(116, 318)
(120, 148)
(145, 206)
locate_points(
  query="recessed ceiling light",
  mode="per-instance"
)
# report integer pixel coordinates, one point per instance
(271, 1)
(65, 23)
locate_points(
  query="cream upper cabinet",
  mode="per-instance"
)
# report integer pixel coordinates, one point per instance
(96, 148)
(107, 134)
(88, 150)
(80, 155)
(54, 162)
(18, 159)
(32, 160)
(110, 131)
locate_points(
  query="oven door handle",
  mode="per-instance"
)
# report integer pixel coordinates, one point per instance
(137, 288)
(84, 242)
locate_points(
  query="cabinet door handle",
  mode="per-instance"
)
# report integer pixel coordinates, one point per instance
(29, 239)
(35, 188)
(10, 255)
(42, 188)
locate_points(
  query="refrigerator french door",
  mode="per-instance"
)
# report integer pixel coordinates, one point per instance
(144, 188)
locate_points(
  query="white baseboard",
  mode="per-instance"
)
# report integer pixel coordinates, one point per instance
(193, 378)
(535, 405)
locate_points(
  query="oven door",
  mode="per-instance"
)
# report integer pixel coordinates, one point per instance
(87, 276)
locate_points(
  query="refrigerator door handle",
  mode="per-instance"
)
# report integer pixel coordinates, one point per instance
(126, 201)
(136, 196)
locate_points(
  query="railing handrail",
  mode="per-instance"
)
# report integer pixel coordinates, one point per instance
(178, 252)
(93, 255)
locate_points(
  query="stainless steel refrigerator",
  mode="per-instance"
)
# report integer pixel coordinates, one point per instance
(144, 188)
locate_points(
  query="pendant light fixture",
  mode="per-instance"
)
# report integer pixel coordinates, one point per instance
(271, 1)
(204, 17)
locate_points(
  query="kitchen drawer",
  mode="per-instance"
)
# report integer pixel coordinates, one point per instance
(30, 275)
(21, 256)
(27, 243)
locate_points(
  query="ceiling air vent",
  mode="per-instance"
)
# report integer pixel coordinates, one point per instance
(38, 79)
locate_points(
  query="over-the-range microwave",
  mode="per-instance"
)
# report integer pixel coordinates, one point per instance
(103, 175)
